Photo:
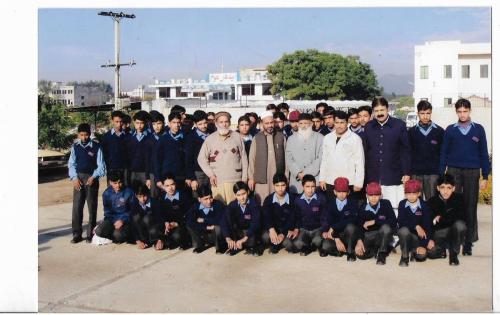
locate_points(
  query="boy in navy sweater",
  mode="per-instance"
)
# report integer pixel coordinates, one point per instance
(240, 224)
(203, 220)
(464, 153)
(448, 218)
(376, 225)
(414, 221)
(148, 220)
(158, 130)
(309, 207)
(279, 229)
(86, 165)
(139, 149)
(117, 201)
(194, 141)
(175, 203)
(425, 141)
(114, 146)
(338, 222)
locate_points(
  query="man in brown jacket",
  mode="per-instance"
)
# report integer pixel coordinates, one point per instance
(266, 158)
(223, 159)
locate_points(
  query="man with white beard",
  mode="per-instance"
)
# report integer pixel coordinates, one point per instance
(223, 159)
(303, 153)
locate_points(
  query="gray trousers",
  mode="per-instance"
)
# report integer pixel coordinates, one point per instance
(429, 184)
(107, 230)
(377, 241)
(287, 243)
(467, 183)
(204, 238)
(408, 242)
(145, 228)
(89, 194)
(308, 238)
(348, 236)
(451, 237)
(155, 191)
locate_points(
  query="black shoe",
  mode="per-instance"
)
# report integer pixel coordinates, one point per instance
(257, 252)
(219, 251)
(454, 259)
(305, 251)
(351, 257)
(273, 250)
(322, 253)
(467, 249)
(76, 239)
(381, 258)
(198, 250)
(88, 239)
(412, 256)
(404, 262)
(232, 252)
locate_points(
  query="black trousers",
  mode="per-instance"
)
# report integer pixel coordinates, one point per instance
(145, 228)
(89, 194)
(377, 241)
(348, 236)
(107, 230)
(467, 182)
(408, 242)
(238, 234)
(207, 238)
(202, 179)
(429, 184)
(155, 191)
(308, 238)
(287, 243)
(178, 236)
(137, 178)
(451, 237)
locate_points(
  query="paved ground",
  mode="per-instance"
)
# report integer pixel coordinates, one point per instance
(121, 278)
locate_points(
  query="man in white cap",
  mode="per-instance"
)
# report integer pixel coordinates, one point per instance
(266, 158)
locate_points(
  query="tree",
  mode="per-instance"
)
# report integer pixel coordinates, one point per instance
(53, 126)
(312, 74)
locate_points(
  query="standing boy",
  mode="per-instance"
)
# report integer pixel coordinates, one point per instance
(158, 130)
(114, 148)
(139, 150)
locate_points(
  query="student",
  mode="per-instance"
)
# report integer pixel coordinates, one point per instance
(240, 224)
(321, 107)
(293, 125)
(448, 218)
(127, 121)
(284, 108)
(244, 131)
(202, 221)
(158, 130)
(463, 154)
(317, 121)
(425, 141)
(414, 221)
(113, 146)
(364, 116)
(139, 150)
(148, 220)
(192, 146)
(279, 229)
(309, 207)
(175, 203)
(328, 122)
(211, 123)
(279, 120)
(353, 119)
(338, 222)
(272, 108)
(376, 225)
(86, 165)
(254, 123)
(117, 200)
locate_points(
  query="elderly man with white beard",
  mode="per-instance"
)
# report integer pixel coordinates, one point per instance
(266, 158)
(303, 153)
(223, 159)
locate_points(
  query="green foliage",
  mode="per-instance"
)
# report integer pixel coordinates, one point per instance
(486, 195)
(53, 126)
(405, 101)
(102, 120)
(312, 74)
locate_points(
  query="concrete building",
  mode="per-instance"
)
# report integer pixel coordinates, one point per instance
(448, 70)
(139, 93)
(78, 95)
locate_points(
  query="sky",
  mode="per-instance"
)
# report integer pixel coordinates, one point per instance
(181, 43)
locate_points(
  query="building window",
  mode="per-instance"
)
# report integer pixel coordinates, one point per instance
(83, 97)
(83, 103)
(199, 94)
(465, 71)
(447, 101)
(447, 71)
(266, 89)
(247, 89)
(70, 91)
(424, 72)
(483, 71)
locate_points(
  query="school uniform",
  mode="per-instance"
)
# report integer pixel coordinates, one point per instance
(342, 217)
(377, 237)
(85, 160)
(308, 214)
(117, 206)
(139, 150)
(240, 221)
(288, 131)
(324, 130)
(450, 231)
(176, 207)
(192, 147)
(169, 158)
(463, 154)
(148, 221)
(198, 218)
(154, 138)
(409, 217)
(425, 144)
(247, 141)
(115, 154)
(280, 217)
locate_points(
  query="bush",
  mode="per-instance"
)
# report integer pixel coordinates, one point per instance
(53, 126)
(486, 195)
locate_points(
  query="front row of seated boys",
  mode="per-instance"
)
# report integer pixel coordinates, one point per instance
(300, 224)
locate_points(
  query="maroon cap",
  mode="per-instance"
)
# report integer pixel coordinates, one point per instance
(373, 188)
(294, 116)
(413, 186)
(341, 184)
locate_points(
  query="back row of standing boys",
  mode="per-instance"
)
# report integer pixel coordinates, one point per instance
(303, 181)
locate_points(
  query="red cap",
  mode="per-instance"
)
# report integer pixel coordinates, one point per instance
(373, 188)
(294, 116)
(341, 184)
(413, 186)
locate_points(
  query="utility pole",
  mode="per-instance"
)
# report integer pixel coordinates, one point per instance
(117, 17)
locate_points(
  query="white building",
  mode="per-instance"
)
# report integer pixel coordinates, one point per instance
(139, 93)
(78, 95)
(448, 70)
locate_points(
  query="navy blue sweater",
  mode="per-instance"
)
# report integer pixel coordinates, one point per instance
(469, 151)
(280, 217)
(176, 209)
(139, 153)
(338, 220)
(153, 207)
(114, 149)
(425, 150)
(169, 157)
(86, 158)
(308, 215)
(384, 215)
(421, 217)
(117, 205)
(450, 210)
(198, 221)
(192, 147)
(235, 219)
